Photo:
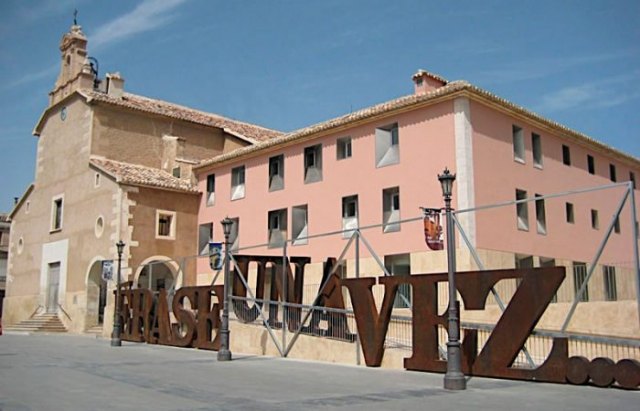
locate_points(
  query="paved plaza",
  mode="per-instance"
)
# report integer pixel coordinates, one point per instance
(64, 372)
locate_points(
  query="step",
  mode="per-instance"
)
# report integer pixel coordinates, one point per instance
(37, 321)
(34, 330)
(47, 322)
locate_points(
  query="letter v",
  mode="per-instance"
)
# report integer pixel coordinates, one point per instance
(372, 327)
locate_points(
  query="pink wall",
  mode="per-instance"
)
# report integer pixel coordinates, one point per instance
(426, 147)
(497, 175)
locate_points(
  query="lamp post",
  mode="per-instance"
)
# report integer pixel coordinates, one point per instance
(115, 337)
(224, 354)
(454, 378)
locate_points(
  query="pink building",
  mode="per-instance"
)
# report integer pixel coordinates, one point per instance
(379, 165)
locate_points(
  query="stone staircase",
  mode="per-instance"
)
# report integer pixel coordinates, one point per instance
(49, 323)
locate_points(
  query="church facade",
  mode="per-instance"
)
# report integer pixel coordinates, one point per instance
(110, 166)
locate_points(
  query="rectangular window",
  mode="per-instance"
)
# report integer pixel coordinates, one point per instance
(343, 148)
(299, 224)
(56, 213)
(568, 207)
(400, 264)
(591, 164)
(632, 178)
(349, 215)
(522, 262)
(566, 155)
(536, 146)
(165, 224)
(610, 286)
(277, 227)
(3, 270)
(313, 164)
(205, 235)
(391, 209)
(237, 183)
(211, 189)
(579, 277)
(549, 262)
(176, 172)
(276, 173)
(522, 212)
(541, 216)
(387, 145)
(518, 144)
(616, 225)
(595, 221)
(612, 173)
(234, 235)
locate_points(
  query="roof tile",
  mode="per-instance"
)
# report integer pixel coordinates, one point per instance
(449, 90)
(163, 108)
(134, 174)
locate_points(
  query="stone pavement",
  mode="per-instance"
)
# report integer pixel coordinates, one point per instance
(64, 372)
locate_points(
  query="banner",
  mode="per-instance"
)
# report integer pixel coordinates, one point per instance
(432, 229)
(107, 270)
(215, 256)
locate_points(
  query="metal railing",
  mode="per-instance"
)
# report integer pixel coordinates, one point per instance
(292, 320)
(340, 325)
(64, 311)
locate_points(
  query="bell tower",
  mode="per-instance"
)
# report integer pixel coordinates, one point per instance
(75, 69)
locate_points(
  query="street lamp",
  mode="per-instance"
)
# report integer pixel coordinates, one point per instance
(454, 378)
(224, 354)
(115, 336)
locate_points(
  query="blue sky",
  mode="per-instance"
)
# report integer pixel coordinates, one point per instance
(286, 64)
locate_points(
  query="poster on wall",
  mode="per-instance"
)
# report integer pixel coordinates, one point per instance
(107, 270)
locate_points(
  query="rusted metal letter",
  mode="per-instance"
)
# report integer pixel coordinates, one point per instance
(372, 327)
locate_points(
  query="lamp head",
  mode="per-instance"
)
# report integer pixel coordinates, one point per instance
(120, 246)
(226, 226)
(446, 182)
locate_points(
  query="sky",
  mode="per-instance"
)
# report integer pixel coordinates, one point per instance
(287, 64)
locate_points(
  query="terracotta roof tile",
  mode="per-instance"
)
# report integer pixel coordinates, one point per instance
(251, 132)
(138, 175)
(450, 90)
(365, 113)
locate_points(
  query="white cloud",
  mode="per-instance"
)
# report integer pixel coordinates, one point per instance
(569, 97)
(31, 77)
(522, 70)
(32, 11)
(599, 93)
(148, 15)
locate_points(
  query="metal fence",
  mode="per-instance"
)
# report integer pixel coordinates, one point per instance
(357, 256)
(285, 319)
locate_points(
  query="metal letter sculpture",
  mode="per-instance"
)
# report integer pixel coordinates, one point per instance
(145, 317)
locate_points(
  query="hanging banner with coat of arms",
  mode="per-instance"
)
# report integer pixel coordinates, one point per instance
(432, 229)
(215, 256)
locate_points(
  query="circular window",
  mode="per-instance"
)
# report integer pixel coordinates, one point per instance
(20, 245)
(99, 229)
